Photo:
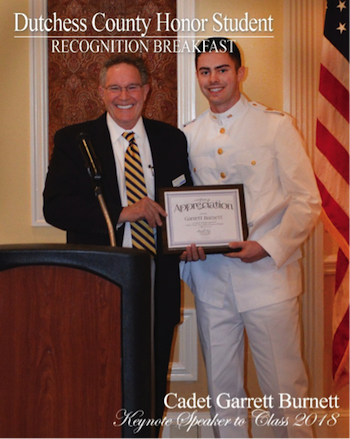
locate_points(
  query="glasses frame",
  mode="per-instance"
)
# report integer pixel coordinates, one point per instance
(117, 89)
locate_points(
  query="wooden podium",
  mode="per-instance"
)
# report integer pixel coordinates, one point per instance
(75, 341)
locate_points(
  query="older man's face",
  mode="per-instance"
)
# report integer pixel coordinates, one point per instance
(124, 95)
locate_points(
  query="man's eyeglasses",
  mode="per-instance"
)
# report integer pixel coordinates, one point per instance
(117, 90)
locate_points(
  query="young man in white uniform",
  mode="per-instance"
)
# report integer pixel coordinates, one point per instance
(256, 288)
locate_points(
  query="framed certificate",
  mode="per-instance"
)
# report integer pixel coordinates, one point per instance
(208, 216)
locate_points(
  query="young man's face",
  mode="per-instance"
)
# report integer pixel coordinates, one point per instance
(125, 106)
(219, 80)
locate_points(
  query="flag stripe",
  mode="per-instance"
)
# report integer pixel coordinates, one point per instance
(333, 121)
(341, 377)
(341, 338)
(341, 296)
(332, 169)
(333, 150)
(335, 62)
(341, 312)
(334, 92)
(334, 232)
(336, 185)
(342, 268)
(340, 341)
(335, 213)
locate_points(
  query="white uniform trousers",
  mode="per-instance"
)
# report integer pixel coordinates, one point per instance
(274, 338)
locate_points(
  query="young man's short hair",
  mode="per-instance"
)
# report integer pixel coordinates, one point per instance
(220, 45)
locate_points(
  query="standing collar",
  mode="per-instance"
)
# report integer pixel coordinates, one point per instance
(232, 113)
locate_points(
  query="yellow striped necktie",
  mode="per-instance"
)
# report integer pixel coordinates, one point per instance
(141, 233)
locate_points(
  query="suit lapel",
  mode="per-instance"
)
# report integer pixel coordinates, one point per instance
(103, 147)
(155, 145)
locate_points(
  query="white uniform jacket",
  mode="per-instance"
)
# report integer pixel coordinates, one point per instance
(260, 148)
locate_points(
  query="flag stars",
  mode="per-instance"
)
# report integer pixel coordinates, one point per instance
(341, 5)
(341, 27)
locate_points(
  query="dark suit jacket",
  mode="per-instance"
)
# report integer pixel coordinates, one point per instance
(70, 203)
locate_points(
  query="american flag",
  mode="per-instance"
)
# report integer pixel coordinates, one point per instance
(332, 168)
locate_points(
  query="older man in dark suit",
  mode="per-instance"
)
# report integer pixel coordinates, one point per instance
(124, 141)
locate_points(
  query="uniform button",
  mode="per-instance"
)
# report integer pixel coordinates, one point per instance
(223, 175)
(222, 130)
(253, 162)
(194, 169)
(220, 151)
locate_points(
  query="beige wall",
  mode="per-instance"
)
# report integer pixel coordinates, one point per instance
(15, 196)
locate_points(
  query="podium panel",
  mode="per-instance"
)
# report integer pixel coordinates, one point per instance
(75, 341)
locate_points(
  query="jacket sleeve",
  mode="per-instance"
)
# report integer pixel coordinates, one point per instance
(69, 200)
(299, 185)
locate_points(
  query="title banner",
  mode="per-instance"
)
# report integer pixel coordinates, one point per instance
(133, 34)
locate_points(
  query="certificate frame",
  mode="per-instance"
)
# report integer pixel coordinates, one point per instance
(209, 216)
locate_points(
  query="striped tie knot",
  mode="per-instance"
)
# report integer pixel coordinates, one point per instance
(129, 136)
